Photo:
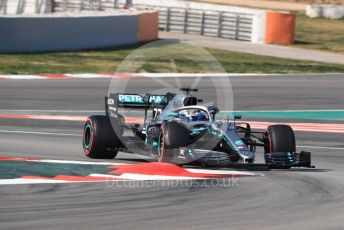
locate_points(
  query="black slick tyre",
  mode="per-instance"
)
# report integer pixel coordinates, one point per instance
(99, 140)
(281, 139)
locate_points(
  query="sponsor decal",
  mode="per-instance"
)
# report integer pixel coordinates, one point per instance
(127, 98)
(156, 99)
(110, 101)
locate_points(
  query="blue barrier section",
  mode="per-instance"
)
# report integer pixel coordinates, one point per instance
(38, 34)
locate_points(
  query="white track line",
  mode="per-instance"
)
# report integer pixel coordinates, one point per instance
(23, 77)
(220, 172)
(86, 75)
(39, 133)
(64, 161)
(320, 147)
(144, 177)
(22, 181)
(77, 162)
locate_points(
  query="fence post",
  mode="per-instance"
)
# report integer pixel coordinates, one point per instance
(37, 7)
(168, 19)
(186, 14)
(100, 7)
(202, 23)
(64, 6)
(3, 6)
(219, 29)
(21, 6)
(237, 22)
(90, 2)
(81, 5)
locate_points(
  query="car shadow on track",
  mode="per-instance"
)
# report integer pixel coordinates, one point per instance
(309, 170)
(243, 167)
(133, 160)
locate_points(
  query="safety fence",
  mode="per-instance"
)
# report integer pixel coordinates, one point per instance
(186, 20)
(225, 24)
(25, 6)
(209, 23)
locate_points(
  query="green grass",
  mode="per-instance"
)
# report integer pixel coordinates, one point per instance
(107, 61)
(319, 33)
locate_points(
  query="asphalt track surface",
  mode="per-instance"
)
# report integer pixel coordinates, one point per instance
(281, 199)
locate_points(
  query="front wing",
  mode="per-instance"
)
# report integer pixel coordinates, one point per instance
(215, 158)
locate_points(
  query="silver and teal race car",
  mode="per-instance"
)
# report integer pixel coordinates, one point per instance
(179, 128)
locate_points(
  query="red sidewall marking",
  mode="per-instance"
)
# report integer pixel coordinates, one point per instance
(270, 141)
(162, 146)
(87, 151)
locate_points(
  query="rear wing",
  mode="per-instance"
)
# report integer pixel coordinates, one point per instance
(136, 101)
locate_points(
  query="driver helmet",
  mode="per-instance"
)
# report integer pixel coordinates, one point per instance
(199, 116)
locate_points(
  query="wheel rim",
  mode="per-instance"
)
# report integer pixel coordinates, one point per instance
(88, 138)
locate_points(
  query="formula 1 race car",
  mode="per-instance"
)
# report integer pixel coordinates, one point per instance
(178, 130)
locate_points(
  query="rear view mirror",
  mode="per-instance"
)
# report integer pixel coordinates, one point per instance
(236, 117)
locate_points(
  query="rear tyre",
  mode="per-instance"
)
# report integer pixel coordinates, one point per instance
(99, 138)
(281, 138)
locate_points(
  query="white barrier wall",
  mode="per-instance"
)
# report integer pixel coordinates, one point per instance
(249, 25)
(259, 27)
(327, 11)
(13, 7)
(189, 17)
(61, 32)
(199, 18)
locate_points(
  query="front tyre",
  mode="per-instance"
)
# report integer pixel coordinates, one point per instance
(281, 139)
(173, 135)
(99, 140)
(164, 154)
